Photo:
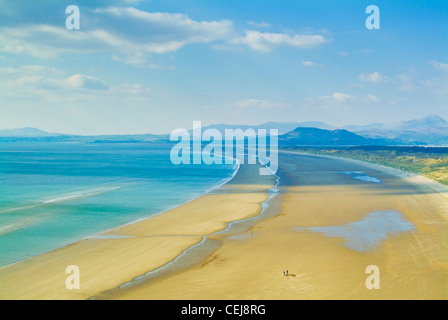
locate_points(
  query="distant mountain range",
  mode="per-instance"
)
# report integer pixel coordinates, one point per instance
(431, 130)
(36, 135)
(315, 137)
(26, 132)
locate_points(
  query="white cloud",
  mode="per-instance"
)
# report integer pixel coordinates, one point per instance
(77, 81)
(132, 89)
(405, 82)
(370, 98)
(375, 77)
(439, 65)
(337, 97)
(269, 41)
(140, 60)
(34, 78)
(80, 81)
(51, 88)
(23, 70)
(226, 47)
(308, 63)
(120, 30)
(259, 24)
(38, 83)
(256, 103)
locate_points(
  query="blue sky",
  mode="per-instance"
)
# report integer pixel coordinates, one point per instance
(153, 66)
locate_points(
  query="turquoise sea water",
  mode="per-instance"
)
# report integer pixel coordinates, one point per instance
(53, 194)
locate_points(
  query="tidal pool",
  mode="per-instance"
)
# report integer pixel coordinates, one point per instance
(366, 234)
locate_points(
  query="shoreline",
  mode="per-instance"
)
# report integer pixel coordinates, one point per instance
(98, 234)
(437, 184)
(177, 242)
(412, 177)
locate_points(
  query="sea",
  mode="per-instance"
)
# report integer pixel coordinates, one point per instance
(55, 194)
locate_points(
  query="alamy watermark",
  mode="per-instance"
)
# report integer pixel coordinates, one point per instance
(73, 21)
(73, 280)
(373, 21)
(226, 147)
(373, 280)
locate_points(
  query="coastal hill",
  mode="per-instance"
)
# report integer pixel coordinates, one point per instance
(431, 130)
(282, 127)
(36, 135)
(317, 137)
(26, 132)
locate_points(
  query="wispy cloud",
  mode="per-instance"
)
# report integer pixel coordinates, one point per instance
(374, 77)
(80, 81)
(370, 98)
(74, 82)
(311, 64)
(41, 84)
(259, 24)
(259, 104)
(141, 60)
(269, 41)
(439, 65)
(337, 96)
(308, 63)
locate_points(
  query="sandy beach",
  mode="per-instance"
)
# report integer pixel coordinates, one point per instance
(315, 195)
(117, 256)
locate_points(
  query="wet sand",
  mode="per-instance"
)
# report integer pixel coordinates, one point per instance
(315, 192)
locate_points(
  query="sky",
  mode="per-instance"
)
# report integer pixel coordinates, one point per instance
(153, 66)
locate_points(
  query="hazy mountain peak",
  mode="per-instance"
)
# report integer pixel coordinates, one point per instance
(435, 119)
(24, 132)
(429, 123)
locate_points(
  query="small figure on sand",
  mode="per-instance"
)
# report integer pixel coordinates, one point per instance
(287, 274)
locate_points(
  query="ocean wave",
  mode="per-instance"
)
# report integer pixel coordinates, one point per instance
(14, 226)
(62, 199)
(81, 195)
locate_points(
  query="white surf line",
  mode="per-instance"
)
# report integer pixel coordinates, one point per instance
(65, 198)
(14, 226)
(147, 276)
(117, 236)
(82, 195)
